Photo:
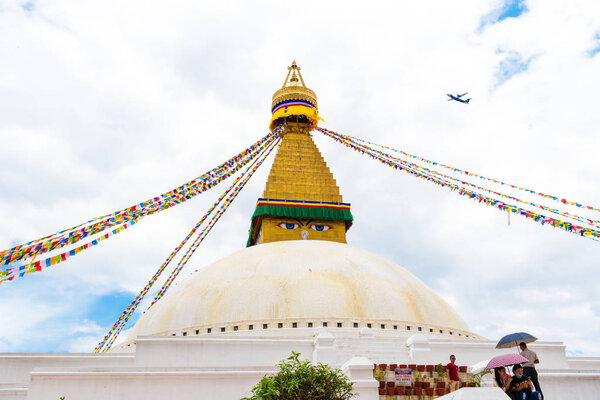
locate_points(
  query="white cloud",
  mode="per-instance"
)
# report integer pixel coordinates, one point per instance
(107, 104)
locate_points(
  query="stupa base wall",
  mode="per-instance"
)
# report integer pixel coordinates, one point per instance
(569, 384)
(219, 352)
(143, 384)
(227, 367)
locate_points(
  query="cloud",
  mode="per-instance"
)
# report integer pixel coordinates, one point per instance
(596, 47)
(107, 104)
(511, 65)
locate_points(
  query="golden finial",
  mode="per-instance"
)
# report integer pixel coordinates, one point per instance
(293, 69)
(294, 89)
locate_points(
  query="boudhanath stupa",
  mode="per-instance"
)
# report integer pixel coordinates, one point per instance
(296, 285)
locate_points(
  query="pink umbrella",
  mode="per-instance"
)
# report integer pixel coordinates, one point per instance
(506, 360)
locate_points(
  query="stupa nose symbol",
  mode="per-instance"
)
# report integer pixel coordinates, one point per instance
(304, 234)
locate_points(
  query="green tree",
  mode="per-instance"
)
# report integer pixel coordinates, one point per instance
(299, 380)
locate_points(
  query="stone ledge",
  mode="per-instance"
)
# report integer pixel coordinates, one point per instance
(143, 374)
(227, 340)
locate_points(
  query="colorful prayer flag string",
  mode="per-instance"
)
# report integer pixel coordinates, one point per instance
(427, 171)
(468, 173)
(156, 204)
(205, 231)
(394, 163)
(22, 270)
(113, 333)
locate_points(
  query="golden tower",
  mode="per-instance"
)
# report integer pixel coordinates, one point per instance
(301, 200)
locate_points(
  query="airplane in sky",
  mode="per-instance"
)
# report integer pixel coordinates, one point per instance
(458, 98)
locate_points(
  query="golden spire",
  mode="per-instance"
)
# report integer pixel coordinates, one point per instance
(301, 198)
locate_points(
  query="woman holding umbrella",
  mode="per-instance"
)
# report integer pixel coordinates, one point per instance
(502, 379)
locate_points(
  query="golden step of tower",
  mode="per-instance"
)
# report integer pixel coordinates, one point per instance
(299, 171)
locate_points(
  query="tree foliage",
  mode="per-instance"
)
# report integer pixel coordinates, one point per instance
(300, 380)
(478, 377)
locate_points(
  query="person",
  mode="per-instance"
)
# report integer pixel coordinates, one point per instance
(520, 386)
(501, 378)
(529, 367)
(452, 370)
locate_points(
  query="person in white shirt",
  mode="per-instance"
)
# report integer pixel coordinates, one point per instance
(529, 367)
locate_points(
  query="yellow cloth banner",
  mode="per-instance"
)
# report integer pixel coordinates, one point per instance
(309, 112)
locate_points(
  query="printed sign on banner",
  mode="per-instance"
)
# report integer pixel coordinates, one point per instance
(403, 377)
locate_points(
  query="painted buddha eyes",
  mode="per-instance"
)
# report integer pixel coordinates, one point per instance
(289, 225)
(293, 225)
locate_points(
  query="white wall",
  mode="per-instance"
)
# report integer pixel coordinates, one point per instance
(227, 368)
(569, 385)
(584, 363)
(15, 367)
(143, 384)
(217, 352)
(12, 393)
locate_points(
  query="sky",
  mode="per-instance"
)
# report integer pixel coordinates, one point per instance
(106, 104)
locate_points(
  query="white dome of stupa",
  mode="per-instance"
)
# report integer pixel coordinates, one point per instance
(299, 284)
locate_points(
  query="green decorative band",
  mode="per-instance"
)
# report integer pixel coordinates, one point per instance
(313, 210)
(338, 214)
